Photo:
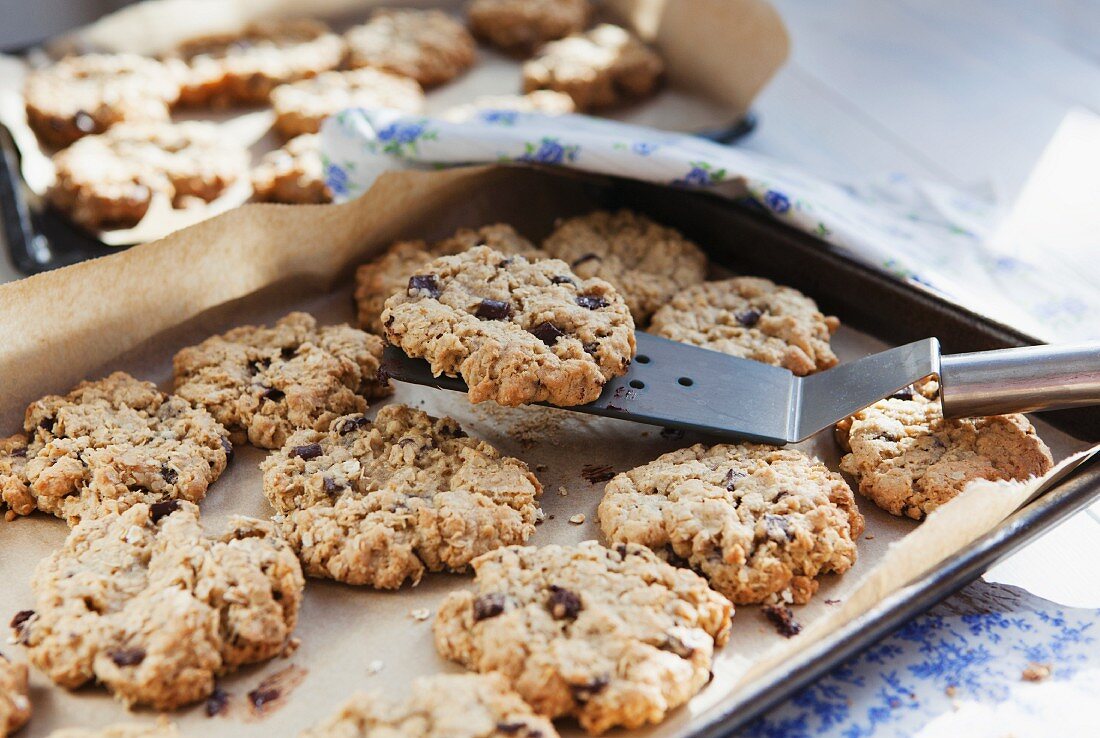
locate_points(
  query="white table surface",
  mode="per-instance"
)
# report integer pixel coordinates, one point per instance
(968, 94)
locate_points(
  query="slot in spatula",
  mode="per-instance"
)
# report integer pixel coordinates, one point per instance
(681, 386)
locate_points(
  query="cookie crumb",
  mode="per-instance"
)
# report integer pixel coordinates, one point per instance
(375, 666)
(421, 614)
(951, 690)
(1036, 672)
(563, 491)
(783, 620)
(870, 536)
(577, 519)
(292, 645)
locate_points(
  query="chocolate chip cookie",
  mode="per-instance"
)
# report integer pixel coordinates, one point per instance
(108, 445)
(381, 503)
(147, 605)
(266, 383)
(647, 262)
(293, 173)
(909, 460)
(15, 701)
(611, 636)
(426, 45)
(760, 523)
(521, 26)
(82, 95)
(599, 68)
(495, 108)
(388, 274)
(440, 706)
(300, 107)
(243, 68)
(160, 729)
(109, 180)
(752, 318)
(517, 331)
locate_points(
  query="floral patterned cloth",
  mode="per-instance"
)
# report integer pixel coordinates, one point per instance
(926, 234)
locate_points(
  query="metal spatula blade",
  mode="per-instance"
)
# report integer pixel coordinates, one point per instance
(681, 386)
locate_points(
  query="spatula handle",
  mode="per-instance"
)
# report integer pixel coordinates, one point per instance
(1020, 380)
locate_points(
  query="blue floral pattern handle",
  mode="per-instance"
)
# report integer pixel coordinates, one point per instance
(922, 233)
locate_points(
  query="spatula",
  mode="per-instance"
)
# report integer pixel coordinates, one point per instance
(680, 386)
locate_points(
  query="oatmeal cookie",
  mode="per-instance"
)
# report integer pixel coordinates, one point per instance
(611, 636)
(752, 318)
(147, 605)
(243, 68)
(379, 503)
(426, 45)
(107, 445)
(760, 523)
(300, 107)
(517, 331)
(269, 382)
(440, 706)
(496, 107)
(647, 262)
(292, 174)
(909, 460)
(600, 68)
(15, 702)
(109, 180)
(521, 26)
(82, 95)
(388, 274)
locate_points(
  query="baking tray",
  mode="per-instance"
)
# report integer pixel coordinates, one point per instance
(736, 236)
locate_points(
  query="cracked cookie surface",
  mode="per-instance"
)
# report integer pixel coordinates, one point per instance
(521, 26)
(439, 706)
(109, 180)
(147, 605)
(107, 445)
(909, 460)
(426, 45)
(648, 263)
(269, 382)
(301, 107)
(760, 523)
(517, 331)
(244, 67)
(15, 701)
(752, 318)
(599, 68)
(84, 95)
(389, 273)
(611, 636)
(293, 173)
(381, 503)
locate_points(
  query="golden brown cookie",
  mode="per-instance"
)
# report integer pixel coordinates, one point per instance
(521, 26)
(15, 701)
(293, 173)
(426, 45)
(301, 106)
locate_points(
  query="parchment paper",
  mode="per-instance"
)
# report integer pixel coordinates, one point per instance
(718, 55)
(135, 309)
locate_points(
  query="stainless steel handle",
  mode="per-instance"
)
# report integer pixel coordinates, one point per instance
(1020, 380)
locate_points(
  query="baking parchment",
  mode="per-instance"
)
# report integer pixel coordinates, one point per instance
(135, 309)
(718, 55)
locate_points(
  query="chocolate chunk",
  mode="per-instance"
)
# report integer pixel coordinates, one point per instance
(331, 486)
(159, 509)
(675, 559)
(748, 318)
(227, 446)
(903, 394)
(19, 624)
(493, 310)
(778, 528)
(19, 453)
(563, 603)
(675, 644)
(584, 259)
(562, 280)
(169, 474)
(353, 424)
(584, 692)
(288, 353)
(547, 332)
(84, 122)
(272, 394)
(424, 283)
(217, 703)
(307, 452)
(504, 262)
(591, 348)
(591, 302)
(127, 656)
(783, 620)
(488, 606)
(262, 696)
(596, 473)
(730, 480)
(451, 430)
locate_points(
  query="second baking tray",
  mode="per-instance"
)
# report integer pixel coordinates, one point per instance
(133, 310)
